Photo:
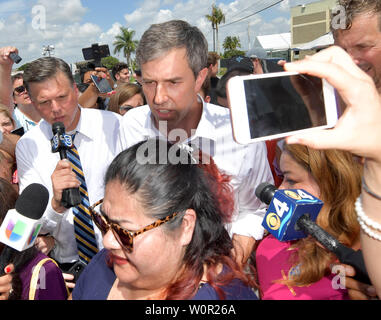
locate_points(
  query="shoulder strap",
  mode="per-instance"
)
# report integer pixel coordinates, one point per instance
(35, 276)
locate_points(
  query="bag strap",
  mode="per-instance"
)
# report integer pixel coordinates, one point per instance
(35, 276)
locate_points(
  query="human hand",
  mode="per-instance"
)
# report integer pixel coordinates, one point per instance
(243, 246)
(5, 60)
(68, 277)
(356, 289)
(358, 129)
(6, 282)
(45, 244)
(102, 72)
(62, 178)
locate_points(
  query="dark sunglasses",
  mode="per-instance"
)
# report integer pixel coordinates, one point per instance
(125, 237)
(19, 89)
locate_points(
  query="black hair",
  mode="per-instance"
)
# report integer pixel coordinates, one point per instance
(167, 178)
(118, 67)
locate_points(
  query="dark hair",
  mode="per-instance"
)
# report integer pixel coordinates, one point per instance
(165, 181)
(221, 84)
(46, 68)
(86, 68)
(8, 197)
(118, 67)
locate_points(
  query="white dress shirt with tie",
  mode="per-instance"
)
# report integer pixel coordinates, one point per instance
(98, 141)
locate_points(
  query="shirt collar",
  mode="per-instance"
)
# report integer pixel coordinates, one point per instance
(205, 128)
(83, 127)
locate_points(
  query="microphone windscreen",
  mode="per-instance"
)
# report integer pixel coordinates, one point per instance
(265, 192)
(33, 201)
(58, 127)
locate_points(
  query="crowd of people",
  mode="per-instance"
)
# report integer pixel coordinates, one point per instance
(167, 206)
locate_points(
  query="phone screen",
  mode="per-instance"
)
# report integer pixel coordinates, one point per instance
(281, 104)
(102, 84)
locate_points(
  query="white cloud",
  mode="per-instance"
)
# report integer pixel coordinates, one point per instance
(67, 30)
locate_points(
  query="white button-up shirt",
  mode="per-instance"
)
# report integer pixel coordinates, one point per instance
(246, 164)
(98, 142)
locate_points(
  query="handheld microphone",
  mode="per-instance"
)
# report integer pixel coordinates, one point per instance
(291, 215)
(21, 225)
(71, 197)
(15, 57)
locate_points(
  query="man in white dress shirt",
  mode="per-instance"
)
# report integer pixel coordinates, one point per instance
(53, 92)
(173, 61)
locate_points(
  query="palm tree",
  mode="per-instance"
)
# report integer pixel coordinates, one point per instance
(124, 42)
(217, 17)
(231, 43)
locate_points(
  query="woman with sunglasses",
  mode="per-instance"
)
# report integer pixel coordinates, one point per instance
(127, 97)
(163, 218)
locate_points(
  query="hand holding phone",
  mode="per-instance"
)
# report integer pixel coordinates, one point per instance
(275, 105)
(102, 84)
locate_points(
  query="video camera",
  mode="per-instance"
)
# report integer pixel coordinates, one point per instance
(96, 53)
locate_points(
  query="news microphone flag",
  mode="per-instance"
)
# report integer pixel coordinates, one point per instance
(21, 225)
(285, 209)
(18, 231)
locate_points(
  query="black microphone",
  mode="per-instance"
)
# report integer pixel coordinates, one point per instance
(299, 218)
(21, 225)
(15, 57)
(61, 142)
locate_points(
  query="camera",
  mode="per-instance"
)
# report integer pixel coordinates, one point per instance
(96, 53)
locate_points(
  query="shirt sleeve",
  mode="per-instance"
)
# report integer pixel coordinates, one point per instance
(249, 209)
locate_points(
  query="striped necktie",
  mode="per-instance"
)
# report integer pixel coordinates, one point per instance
(83, 225)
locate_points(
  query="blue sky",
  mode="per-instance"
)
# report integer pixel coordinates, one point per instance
(71, 25)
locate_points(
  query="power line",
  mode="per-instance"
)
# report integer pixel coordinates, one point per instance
(256, 12)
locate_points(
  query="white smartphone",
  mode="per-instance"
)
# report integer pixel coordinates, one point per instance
(275, 105)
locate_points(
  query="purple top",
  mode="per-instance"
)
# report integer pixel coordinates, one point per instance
(87, 288)
(51, 284)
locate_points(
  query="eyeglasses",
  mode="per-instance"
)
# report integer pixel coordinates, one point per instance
(125, 237)
(19, 89)
(125, 108)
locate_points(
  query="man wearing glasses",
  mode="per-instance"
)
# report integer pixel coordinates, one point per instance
(12, 88)
(25, 114)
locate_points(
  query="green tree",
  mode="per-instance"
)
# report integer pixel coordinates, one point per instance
(23, 67)
(109, 62)
(231, 43)
(216, 18)
(124, 42)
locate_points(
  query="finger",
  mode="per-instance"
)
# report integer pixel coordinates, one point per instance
(336, 56)
(9, 268)
(318, 139)
(357, 295)
(68, 276)
(359, 289)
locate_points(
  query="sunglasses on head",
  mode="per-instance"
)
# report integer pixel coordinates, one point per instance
(19, 89)
(125, 237)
